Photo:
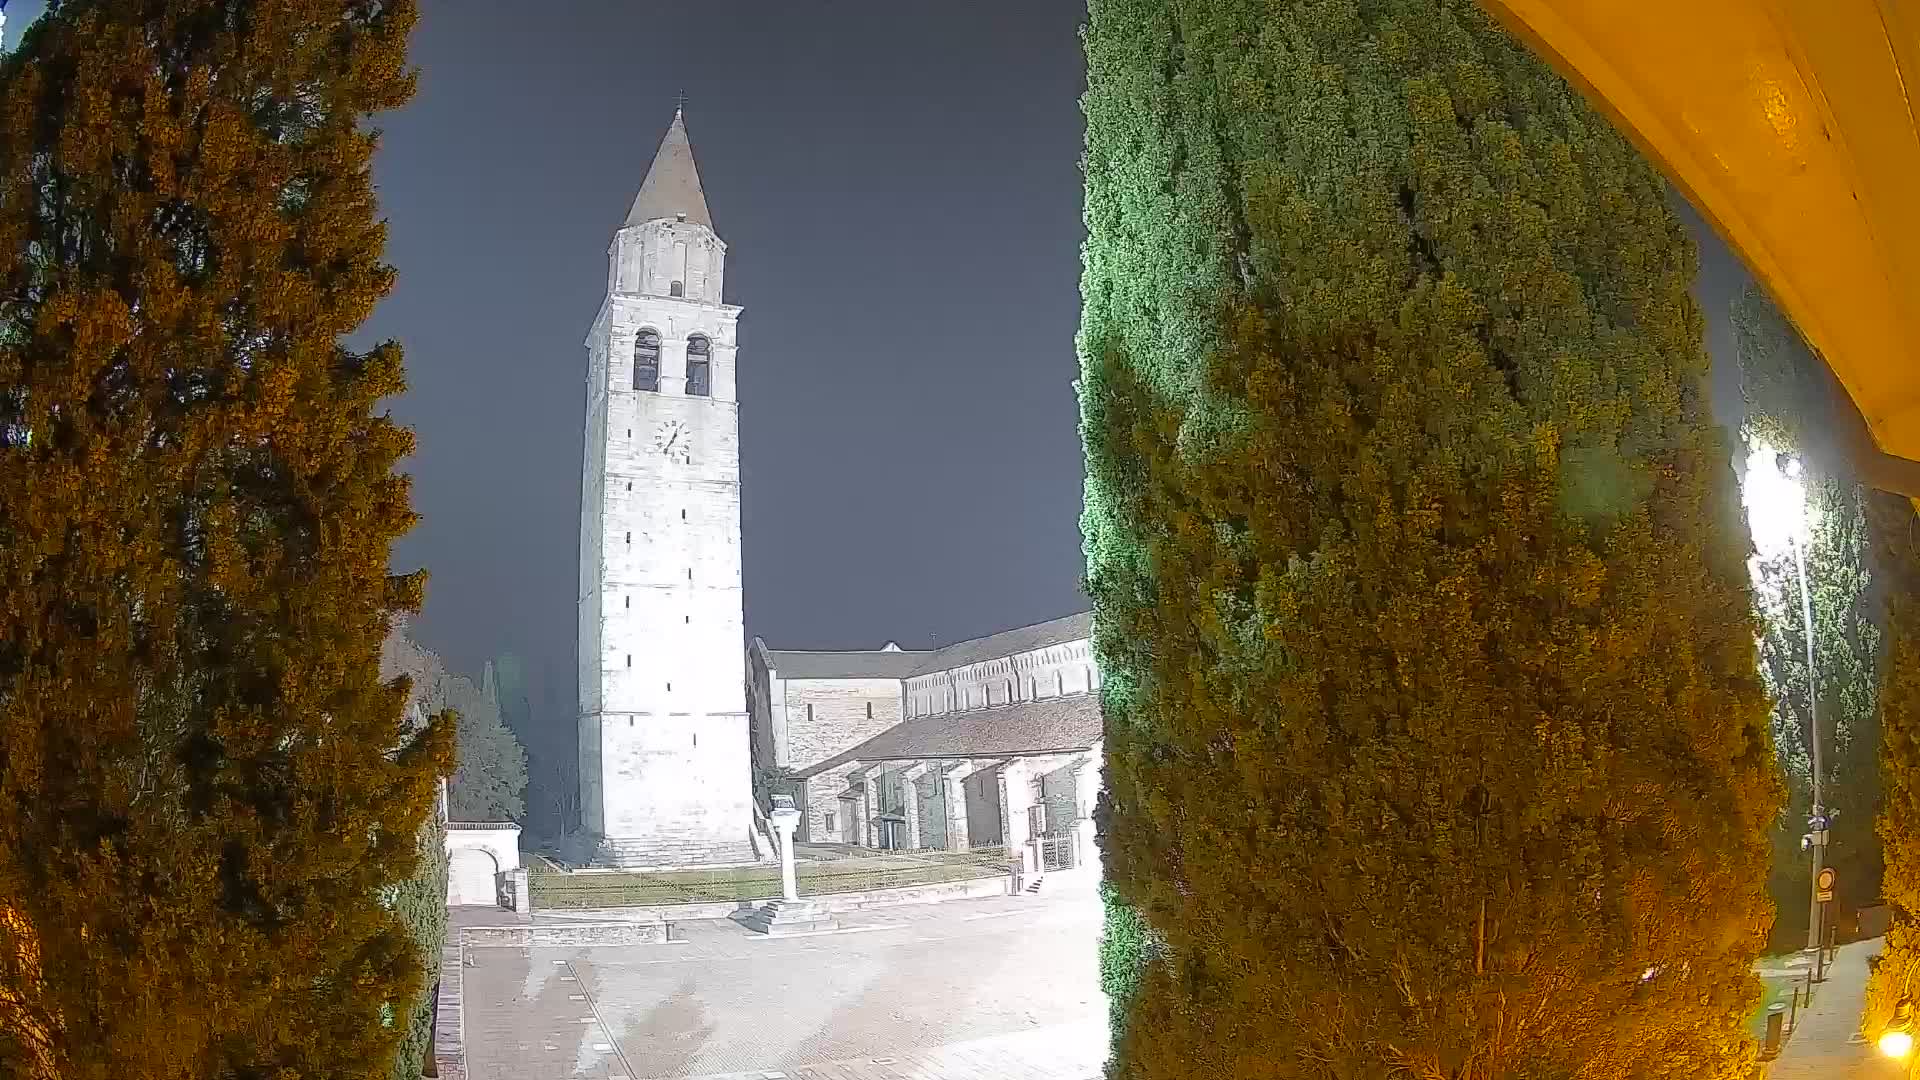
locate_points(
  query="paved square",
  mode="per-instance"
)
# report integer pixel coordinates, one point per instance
(1006, 987)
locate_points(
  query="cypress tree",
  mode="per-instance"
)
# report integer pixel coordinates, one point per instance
(1435, 742)
(206, 789)
(1896, 536)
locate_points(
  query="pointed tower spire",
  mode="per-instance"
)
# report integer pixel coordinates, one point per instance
(672, 186)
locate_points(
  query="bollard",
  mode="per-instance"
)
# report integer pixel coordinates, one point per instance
(1776, 1022)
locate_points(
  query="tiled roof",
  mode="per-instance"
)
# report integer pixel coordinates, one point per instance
(864, 664)
(1028, 727)
(1020, 639)
(896, 664)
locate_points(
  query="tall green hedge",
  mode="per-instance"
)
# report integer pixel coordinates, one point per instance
(1896, 537)
(1435, 741)
(421, 903)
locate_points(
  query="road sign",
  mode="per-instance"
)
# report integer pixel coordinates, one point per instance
(1823, 885)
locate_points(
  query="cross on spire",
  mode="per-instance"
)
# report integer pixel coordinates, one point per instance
(680, 105)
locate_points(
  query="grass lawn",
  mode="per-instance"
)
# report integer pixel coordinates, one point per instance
(1778, 988)
(558, 889)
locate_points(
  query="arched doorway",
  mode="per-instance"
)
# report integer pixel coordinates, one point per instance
(471, 877)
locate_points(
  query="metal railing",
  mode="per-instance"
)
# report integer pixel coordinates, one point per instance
(879, 870)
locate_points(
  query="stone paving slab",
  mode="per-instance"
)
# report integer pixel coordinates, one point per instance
(1005, 989)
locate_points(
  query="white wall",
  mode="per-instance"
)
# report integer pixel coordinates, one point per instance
(475, 857)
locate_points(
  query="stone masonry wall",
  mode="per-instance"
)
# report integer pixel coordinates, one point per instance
(828, 716)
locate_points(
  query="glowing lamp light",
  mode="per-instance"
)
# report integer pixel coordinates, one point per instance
(1776, 501)
(1897, 1040)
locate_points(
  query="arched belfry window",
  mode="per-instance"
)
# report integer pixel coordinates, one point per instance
(646, 361)
(699, 367)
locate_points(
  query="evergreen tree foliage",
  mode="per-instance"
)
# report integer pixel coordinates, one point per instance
(1781, 389)
(421, 903)
(1435, 741)
(490, 781)
(206, 789)
(1896, 536)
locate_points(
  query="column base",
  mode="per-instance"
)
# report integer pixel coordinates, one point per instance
(780, 917)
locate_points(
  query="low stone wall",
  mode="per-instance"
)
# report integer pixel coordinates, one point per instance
(568, 934)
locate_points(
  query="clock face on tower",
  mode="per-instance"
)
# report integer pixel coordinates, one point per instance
(672, 440)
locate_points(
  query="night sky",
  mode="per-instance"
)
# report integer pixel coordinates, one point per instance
(898, 187)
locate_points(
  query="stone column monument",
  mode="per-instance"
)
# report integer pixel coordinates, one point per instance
(785, 820)
(789, 914)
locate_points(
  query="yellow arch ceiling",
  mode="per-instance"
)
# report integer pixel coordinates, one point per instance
(1790, 125)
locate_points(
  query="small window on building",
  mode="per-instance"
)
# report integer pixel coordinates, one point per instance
(869, 710)
(626, 601)
(809, 714)
(629, 538)
(699, 367)
(828, 821)
(678, 288)
(646, 362)
(629, 659)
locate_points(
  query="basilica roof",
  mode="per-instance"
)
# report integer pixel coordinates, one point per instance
(893, 663)
(1050, 725)
(852, 664)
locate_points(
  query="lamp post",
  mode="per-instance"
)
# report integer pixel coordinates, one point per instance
(1816, 838)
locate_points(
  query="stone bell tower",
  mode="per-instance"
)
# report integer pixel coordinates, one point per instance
(665, 772)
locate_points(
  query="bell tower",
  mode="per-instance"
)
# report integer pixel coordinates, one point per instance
(665, 772)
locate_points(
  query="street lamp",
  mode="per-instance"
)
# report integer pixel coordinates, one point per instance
(1897, 1040)
(1776, 498)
